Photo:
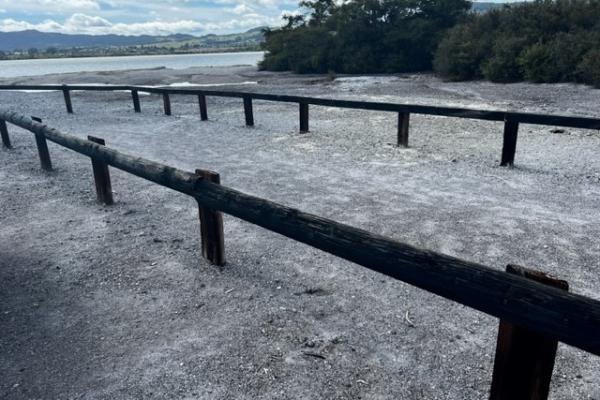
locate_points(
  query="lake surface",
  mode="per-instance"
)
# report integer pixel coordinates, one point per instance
(16, 68)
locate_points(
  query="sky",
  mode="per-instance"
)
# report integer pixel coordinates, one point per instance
(139, 17)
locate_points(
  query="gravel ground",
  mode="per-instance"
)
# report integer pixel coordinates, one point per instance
(116, 303)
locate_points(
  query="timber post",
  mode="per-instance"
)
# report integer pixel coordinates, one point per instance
(135, 96)
(167, 103)
(403, 124)
(101, 176)
(211, 225)
(67, 96)
(524, 358)
(42, 147)
(304, 117)
(203, 109)
(509, 144)
(4, 134)
(248, 113)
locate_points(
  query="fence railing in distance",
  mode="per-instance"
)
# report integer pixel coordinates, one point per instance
(511, 119)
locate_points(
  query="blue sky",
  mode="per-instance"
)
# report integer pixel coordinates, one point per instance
(136, 17)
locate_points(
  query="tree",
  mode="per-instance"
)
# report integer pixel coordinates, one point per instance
(362, 36)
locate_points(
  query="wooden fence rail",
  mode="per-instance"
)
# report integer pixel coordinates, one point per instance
(535, 311)
(567, 317)
(512, 120)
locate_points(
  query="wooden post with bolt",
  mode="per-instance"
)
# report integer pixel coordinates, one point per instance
(101, 176)
(203, 109)
(4, 134)
(303, 117)
(42, 147)
(524, 358)
(211, 225)
(67, 96)
(403, 124)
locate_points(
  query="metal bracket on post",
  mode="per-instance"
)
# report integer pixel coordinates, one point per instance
(101, 176)
(524, 358)
(211, 225)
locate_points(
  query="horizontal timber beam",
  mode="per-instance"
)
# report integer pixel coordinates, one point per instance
(570, 318)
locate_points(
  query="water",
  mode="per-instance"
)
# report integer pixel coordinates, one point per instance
(16, 68)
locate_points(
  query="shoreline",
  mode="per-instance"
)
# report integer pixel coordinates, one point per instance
(218, 51)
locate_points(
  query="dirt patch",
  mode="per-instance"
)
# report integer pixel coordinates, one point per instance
(115, 302)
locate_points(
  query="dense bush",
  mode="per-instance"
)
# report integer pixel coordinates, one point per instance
(588, 70)
(540, 41)
(362, 36)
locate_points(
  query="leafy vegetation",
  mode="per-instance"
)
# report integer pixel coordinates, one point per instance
(541, 41)
(362, 36)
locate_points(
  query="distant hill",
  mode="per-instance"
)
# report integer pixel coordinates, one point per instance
(24, 40)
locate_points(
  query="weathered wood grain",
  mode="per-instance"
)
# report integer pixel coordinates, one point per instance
(524, 358)
(248, 112)
(203, 108)
(403, 125)
(567, 317)
(135, 96)
(4, 135)
(101, 176)
(211, 225)
(304, 117)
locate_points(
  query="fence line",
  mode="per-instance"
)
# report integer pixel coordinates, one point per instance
(510, 119)
(570, 318)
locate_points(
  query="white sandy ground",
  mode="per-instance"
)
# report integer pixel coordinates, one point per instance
(116, 303)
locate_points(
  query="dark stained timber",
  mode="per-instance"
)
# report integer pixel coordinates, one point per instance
(4, 134)
(203, 108)
(211, 225)
(135, 96)
(67, 96)
(304, 117)
(101, 176)
(248, 112)
(167, 103)
(403, 124)
(42, 147)
(509, 144)
(554, 313)
(524, 118)
(524, 358)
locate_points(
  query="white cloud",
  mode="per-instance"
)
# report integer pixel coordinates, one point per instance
(82, 23)
(135, 17)
(55, 7)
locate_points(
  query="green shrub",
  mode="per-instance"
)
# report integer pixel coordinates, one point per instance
(588, 70)
(502, 65)
(362, 36)
(540, 41)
